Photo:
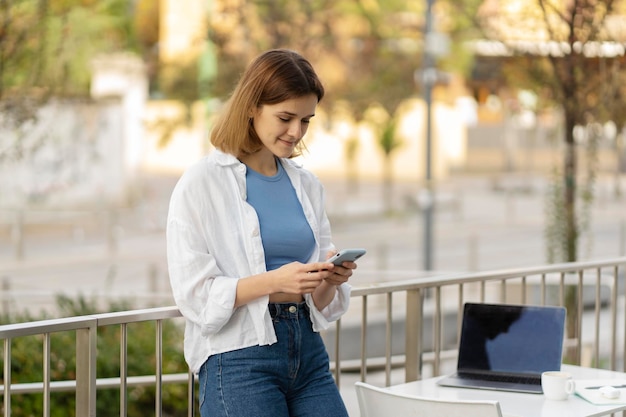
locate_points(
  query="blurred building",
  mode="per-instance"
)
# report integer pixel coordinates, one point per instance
(183, 39)
(479, 124)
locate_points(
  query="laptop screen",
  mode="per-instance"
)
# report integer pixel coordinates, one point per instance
(511, 338)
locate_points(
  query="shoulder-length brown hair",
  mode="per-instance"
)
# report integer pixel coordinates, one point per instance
(273, 77)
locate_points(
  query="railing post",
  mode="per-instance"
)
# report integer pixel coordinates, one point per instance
(86, 351)
(46, 375)
(124, 370)
(159, 369)
(437, 323)
(388, 336)
(7, 377)
(364, 339)
(191, 397)
(413, 347)
(337, 351)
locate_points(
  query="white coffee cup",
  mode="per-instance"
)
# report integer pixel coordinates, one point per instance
(557, 385)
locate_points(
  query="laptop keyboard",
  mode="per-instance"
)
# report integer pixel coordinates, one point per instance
(530, 380)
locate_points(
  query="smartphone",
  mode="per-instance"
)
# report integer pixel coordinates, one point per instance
(347, 255)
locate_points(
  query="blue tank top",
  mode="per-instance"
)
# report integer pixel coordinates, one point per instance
(286, 235)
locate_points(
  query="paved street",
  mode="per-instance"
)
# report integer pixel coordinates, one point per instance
(477, 226)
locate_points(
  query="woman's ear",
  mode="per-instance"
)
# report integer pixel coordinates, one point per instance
(253, 112)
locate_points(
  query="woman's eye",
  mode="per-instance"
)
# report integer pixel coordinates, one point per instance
(288, 120)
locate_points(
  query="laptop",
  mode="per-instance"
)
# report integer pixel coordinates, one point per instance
(507, 347)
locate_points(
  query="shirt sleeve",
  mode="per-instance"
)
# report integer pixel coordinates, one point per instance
(202, 293)
(333, 311)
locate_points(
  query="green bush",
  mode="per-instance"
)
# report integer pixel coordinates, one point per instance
(27, 364)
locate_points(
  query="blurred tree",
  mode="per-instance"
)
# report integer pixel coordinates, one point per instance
(563, 51)
(616, 102)
(389, 142)
(364, 50)
(146, 24)
(46, 47)
(554, 48)
(384, 127)
(457, 18)
(46, 44)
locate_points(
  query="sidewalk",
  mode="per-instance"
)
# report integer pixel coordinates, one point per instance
(474, 228)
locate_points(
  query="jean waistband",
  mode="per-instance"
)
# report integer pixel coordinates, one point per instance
(288, 310)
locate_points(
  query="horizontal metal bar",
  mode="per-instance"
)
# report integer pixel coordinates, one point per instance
(134, 316)
(80, 322)
(378, 363)
(101, 383)
(504, 274)
(32, 328)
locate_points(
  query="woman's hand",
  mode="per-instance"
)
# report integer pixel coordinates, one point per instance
(318, 278)
(336, 275)
(299, 278)
(340, 274)
(292, 278)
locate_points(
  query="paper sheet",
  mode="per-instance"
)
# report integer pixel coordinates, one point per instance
(594, 396)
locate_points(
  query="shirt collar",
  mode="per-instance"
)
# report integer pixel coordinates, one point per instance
(225, 159)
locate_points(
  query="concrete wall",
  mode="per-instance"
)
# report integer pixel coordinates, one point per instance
(85, 152)
(74, 155)
(95, 152)
(326, 143)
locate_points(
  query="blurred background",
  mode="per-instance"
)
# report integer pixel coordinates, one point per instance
(456, 135)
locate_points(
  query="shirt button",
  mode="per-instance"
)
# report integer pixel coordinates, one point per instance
(293, 309)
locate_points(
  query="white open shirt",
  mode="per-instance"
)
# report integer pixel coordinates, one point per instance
(213, 239)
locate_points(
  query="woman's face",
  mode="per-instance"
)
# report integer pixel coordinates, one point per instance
(281, 126)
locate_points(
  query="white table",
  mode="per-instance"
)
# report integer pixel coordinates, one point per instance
(520, 404)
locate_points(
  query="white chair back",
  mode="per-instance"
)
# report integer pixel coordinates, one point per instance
(380, 402)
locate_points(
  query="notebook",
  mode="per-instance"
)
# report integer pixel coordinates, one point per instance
(507, 347)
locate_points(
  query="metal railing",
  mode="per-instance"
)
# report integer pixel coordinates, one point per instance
(590, 290)
(86, 383)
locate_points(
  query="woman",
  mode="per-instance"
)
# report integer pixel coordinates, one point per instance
(247, 243)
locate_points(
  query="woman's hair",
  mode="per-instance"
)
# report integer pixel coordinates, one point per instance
(273, 77)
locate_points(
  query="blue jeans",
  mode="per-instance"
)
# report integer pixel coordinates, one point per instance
(290, 378)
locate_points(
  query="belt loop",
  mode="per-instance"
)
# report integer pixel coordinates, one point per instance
(274, 310)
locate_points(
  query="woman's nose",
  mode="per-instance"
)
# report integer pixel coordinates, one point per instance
(295, 130)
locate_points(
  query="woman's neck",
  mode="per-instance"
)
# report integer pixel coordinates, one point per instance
(263, 164)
